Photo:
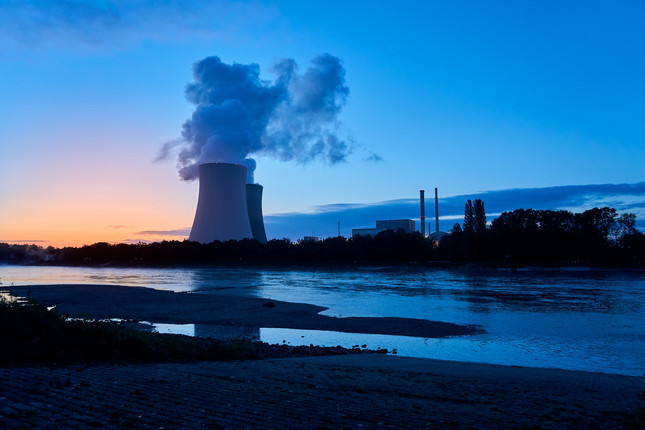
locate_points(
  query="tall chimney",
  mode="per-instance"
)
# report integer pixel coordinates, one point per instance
(222, 212)
(436, 209)
(423, 212)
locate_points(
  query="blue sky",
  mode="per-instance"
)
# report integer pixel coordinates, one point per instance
(469, 97)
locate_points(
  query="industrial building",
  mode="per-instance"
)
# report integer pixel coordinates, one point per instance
(407, 225)
(227, 207)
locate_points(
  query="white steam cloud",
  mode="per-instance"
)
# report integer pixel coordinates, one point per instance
(237, 114)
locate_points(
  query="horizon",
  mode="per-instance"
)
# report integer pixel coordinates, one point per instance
(322, 219)
(532, 105)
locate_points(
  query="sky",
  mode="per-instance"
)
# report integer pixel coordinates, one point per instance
(538, 104)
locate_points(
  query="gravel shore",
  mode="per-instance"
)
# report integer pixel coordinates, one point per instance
(347, 391)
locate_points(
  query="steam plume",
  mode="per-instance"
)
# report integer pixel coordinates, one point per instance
(237, 114)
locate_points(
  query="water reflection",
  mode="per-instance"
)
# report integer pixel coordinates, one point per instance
(185, 329)
(227, 332)
(226, 281)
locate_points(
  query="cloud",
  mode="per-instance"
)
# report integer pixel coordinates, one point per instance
(374, 157)
(24, 241)
(237, 115)
(177, 232)
(76, 25)
(323, 220)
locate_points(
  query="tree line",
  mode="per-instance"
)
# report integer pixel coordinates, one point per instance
(388, 247)
(598, 236)
(523, 236)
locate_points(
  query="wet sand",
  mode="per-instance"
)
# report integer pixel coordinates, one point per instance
(146, 304)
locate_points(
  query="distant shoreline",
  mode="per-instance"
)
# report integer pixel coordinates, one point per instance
(421, 266)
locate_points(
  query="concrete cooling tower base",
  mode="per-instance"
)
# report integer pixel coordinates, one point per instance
(221, 213)
(228, 208)
(254, 205)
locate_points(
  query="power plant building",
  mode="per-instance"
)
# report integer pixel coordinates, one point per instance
(227, 208)
(407, 225)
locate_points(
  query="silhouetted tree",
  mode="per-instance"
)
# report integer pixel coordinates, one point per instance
(473, 242)
(479, 216)
(451, 245)
(469, 217)
(626, 226)
(595, 235)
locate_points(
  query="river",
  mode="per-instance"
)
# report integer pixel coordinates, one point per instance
(580, 320)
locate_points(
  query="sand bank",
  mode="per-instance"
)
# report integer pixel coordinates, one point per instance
(147, 304)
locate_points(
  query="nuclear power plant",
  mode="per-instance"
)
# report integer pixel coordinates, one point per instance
(227, 208)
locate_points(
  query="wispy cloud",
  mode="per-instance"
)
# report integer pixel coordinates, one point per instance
(323, 220)
(73, 25)
(374, 158)
(24, 241)
(176, 232)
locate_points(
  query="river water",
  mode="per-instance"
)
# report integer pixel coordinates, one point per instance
(581, 320)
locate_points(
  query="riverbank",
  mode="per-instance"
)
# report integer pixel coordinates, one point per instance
(147, 304)
(350, 391)
(347, 391)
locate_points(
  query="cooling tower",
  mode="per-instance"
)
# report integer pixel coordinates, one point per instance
(221, 209)
(254, 204)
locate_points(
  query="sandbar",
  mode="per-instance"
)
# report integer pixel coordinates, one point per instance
(158, 306)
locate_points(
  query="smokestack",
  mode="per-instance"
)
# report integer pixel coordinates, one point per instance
(436, 209)
(423, 212)
(254, 205)
(222, 212)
